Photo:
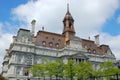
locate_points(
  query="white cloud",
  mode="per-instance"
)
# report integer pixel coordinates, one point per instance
(89, 15)
(5, 40)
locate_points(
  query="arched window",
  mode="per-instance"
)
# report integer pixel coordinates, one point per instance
(50, 44)
(85, 46)
(70, 25)
(89, 50)
(57, 45)
(94, 51)
(43, 43)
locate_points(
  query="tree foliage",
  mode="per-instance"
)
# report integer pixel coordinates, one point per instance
(54, 68)
(107, 69)
(71, 69)
(84, 70)
(38, 70)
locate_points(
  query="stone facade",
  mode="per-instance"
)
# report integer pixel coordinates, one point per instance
(28, 49)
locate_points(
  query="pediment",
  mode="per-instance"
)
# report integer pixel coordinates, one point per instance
(79, 55)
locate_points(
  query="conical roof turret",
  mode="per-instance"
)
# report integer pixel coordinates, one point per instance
(68, 15)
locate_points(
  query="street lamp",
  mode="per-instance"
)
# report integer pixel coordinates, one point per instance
(117, 75)
(71, 77)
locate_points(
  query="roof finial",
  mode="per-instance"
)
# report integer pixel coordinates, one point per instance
(67, 7)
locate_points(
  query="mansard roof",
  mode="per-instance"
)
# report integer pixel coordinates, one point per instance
(56, 40)
(94, 48)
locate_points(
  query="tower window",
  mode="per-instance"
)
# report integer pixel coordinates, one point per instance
(70, 25)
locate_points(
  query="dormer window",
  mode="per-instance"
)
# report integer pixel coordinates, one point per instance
(94, 51)
(50, 44)
(57, 45)
(85, 47)
(43, 43)
(89, 50)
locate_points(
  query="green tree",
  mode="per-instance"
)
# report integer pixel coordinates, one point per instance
(54, 69)
(70, 69)
(51, 68)
(38, 70)
(84, 70)
(60, 68)
(107, 69)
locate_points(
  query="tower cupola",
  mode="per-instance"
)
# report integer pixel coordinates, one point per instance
(68, 16)
(68, 22)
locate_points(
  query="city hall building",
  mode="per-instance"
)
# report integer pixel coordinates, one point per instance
(28, 49)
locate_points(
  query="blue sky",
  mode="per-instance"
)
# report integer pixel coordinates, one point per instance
(6, 6)
(112, 26)
(91, 17)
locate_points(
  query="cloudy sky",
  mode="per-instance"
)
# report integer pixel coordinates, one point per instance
(91, 17)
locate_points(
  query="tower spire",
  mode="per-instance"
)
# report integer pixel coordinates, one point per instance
(67, 7)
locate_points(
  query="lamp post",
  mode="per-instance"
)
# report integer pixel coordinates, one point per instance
(71, 77)
(117, 75)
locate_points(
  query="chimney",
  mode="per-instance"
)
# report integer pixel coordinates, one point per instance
(33, 27)
(97, 40)
(89, 37)
(43, 28)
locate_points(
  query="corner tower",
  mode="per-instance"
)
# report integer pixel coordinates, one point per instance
(68, 30)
